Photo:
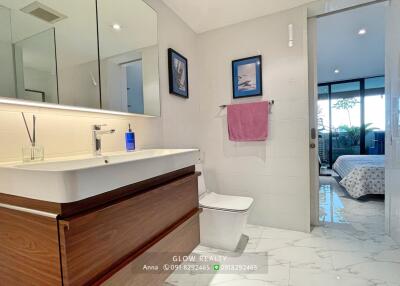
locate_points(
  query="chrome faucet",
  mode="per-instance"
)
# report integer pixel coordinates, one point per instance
(96, 134)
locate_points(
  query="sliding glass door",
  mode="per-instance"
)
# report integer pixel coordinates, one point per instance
(351, 116)
(345, 126)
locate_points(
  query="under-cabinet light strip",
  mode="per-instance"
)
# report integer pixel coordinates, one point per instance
(66, 107)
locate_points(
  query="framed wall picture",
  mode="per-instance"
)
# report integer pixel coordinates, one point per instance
(247, 77)
(178, 74)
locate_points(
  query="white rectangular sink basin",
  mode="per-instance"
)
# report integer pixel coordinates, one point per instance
(72, 179)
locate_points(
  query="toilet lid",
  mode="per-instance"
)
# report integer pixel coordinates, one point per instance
(225, 202)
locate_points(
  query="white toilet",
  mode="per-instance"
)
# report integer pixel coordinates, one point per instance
(223, 217)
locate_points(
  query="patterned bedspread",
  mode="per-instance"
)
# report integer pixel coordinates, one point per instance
(361, 174)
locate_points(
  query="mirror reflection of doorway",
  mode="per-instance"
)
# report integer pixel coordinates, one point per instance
(134, 81)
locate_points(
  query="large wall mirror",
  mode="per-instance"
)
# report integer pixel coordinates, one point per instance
(128, 48)
(50, 51)
(53, 51)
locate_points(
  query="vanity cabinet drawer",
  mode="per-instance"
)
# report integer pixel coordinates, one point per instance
(29, 250)
(178, 242)
(94, 243)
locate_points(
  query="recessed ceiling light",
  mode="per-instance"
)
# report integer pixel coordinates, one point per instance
(362, 31)
(116, 27)
(336, 71)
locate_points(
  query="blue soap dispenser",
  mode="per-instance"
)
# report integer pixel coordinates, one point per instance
(130, 139)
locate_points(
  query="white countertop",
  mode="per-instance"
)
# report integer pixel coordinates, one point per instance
(74, 178)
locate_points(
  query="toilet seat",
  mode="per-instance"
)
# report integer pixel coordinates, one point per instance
(215, 201)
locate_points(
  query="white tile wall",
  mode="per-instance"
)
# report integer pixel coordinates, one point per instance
(275, 172)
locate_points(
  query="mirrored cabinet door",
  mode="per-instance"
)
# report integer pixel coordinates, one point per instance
(128, 47)
(48, 51)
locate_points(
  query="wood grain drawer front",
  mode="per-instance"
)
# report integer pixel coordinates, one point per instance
(93, 244)
(181, 241)
(29, 250)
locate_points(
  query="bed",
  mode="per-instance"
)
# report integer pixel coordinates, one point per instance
(361, 174)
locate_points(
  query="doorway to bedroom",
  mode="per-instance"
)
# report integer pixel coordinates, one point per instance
(350, 113)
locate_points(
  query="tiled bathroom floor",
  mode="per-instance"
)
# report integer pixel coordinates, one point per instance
(350, 248)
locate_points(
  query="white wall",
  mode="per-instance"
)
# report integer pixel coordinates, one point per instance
(180, 116)
(76, 87)
(42, 81)
(392, 170)
(67, 133)
(276, 172)
(36, 66)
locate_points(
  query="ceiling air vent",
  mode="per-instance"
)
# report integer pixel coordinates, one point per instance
(43, 12)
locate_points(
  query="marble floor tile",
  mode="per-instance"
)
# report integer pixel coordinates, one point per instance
(304, 257)
(350, 248)
(310, 277)
(382, 272)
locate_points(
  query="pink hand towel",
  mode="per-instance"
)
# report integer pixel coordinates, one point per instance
(248, 121)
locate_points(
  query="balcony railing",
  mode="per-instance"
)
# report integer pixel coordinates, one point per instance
(345, 143)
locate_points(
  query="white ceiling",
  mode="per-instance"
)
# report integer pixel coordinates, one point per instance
(340, 46)
(205, 15)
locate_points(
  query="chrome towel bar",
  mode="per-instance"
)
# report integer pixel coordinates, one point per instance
(270, 102)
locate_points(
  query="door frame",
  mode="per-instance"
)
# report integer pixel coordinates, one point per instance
(392, 136)
(313, 124)
(313, 102)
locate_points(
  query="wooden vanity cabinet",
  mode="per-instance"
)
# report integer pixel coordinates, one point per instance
(29, 249)
(96, 245)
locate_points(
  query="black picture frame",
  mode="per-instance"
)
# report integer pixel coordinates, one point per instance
(238, 92)
(178, 74)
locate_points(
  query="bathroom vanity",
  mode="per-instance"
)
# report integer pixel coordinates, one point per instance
(97, 220)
